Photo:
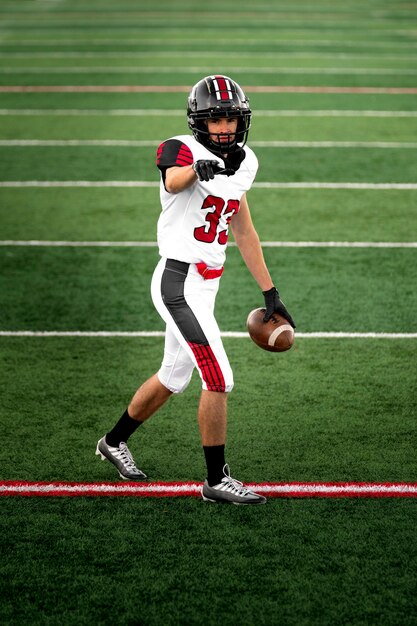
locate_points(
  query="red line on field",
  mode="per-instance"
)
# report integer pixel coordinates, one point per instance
(176, 489)
(186, 89)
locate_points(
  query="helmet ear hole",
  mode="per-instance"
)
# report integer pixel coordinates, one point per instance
(217, 97)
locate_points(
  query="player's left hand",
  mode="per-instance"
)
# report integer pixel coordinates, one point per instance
(206, 169)
(273, 304)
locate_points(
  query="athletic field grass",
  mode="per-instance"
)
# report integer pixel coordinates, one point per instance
(87, 92)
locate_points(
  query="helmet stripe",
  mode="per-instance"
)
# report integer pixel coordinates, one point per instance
(223, 88)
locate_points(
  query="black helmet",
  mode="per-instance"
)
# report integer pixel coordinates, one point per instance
(218, 96)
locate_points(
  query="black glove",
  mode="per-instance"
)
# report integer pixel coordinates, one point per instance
(273, 304)
(227, 171)
(206, 170)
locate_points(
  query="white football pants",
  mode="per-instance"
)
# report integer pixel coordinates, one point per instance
(185, 301)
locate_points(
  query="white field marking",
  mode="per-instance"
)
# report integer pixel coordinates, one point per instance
(186, 88)
(337, 244)
(153, 244)
(223, 54)
(204, 70)
(145, 183)
(333, 113)
(81, 142)
(80, 244)
(133, 143)
(180, 113)
(226, 334)
(79, 183)
(334, 144)
(143, 143)
(247, 42)
(117, 112)
(325, 185)
(175, 489)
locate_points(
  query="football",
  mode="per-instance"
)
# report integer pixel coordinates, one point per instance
(276, 335)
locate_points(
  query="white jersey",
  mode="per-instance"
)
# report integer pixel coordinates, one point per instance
(193, 225)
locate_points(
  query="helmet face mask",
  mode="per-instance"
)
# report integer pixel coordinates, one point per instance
(218, 97)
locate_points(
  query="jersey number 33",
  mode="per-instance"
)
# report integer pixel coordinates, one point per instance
(221, 212)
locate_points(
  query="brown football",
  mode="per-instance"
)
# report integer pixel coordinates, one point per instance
(276, 335)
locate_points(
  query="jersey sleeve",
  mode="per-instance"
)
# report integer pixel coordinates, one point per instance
(173, 153)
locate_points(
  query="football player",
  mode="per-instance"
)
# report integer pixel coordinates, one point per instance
(204, 180)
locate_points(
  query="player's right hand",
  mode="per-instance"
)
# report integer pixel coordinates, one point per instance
(205, 169)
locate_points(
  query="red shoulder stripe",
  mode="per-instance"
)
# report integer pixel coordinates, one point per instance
(185, 156)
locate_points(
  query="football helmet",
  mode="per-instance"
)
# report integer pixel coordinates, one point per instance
(215, 97)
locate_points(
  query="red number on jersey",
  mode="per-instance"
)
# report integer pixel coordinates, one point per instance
(208, 234)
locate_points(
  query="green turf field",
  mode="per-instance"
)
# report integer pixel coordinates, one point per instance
(330, 410)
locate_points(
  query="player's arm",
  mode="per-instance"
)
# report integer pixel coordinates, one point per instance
(179, 178)
(247, 240)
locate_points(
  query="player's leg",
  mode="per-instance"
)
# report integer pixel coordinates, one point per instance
(150, 396)
(173, 377)
(186, 302)
(219, 485)
(212, 419)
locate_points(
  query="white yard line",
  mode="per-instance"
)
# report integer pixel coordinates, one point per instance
(124, 69)
(98, 41)
(80, 183)
(105, 112)
(144, 143)
(153, 244)
(335, 144)
(186, 88)
(223, 54)
(338, 244)
(331, 185)
(226, 334)
(78, 244)
(181, 113)
(334, 113)
(150, 184)
(80, 142)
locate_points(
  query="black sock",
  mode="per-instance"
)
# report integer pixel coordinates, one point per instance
(215, 463)
(125, 427)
